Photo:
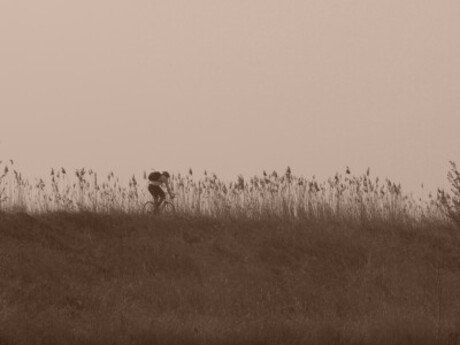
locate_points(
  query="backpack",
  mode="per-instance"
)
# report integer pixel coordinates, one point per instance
(154, 176)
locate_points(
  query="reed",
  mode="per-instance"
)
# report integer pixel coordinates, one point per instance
(344, 197)
(450, 203)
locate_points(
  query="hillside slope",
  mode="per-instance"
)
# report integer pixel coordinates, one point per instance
(119, 279)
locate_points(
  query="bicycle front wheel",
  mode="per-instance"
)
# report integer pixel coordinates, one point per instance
(168, 209)
(149, 208)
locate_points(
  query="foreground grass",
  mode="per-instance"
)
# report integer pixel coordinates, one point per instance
(120, 279)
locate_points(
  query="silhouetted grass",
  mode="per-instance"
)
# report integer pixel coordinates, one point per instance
(342, 198)
(87, 278)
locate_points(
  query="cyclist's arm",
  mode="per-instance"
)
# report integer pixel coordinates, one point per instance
(171, 194)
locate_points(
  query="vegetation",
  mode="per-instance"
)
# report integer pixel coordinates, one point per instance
(272, 260)
(451, 204)
(87, 278)
(358, 199)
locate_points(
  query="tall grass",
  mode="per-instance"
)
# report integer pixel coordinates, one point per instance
(343, 197)
(98, 273)
(451, 203)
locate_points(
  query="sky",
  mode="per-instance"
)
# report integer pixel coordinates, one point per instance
(232, 86)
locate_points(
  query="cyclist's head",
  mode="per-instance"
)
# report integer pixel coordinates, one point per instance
(166, 174)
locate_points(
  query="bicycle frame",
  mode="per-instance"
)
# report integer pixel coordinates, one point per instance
(152, 207)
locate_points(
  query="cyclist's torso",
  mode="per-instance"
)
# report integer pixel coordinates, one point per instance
(155, 179)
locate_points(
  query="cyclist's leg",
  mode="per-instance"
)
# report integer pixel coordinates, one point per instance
(161, 197)
(158, 195)
(153, 192)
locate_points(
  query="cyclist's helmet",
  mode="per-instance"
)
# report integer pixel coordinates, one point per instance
(165, 173)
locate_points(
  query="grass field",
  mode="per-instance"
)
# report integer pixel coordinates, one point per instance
(88, 278)
(272, 260)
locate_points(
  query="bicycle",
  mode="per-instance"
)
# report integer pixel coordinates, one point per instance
(166, 207)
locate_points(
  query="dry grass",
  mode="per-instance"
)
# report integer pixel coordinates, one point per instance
(451, 203)
(342, 198)
(272, 260)
(86, 278)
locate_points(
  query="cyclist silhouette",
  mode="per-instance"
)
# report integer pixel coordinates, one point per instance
(156, 180)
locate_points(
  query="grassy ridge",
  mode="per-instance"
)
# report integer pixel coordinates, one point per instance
(343, 197)
(126, 279)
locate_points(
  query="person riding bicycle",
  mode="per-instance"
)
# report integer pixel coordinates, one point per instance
(156, 180)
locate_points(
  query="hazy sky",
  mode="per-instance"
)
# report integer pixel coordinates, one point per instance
(232, 86)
